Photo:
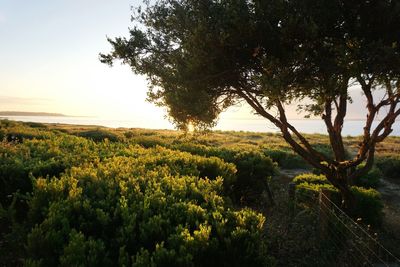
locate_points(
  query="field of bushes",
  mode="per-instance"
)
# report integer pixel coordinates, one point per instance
(92, 196)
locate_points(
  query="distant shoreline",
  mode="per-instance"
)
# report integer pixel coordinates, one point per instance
(49, 114)
(351, 127)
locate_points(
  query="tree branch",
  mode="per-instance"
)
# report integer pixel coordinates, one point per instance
(256, 105)
(283, 125)
(370, 140)
(310, 154)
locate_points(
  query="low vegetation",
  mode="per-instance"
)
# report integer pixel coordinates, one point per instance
(92, 196)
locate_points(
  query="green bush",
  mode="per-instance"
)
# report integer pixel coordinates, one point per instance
(227, 155)
(253, 170)
(122, 213)
(389, 165)
(308, 186)
(99, 135)
(310, 178)
(149, 141)
(39, 157)
(324, 149)
(371, 179)
(182, 163)
(369, 204)
(118, 204)
(19, 134)
(36, 125)
(286, 159)
(308, 193)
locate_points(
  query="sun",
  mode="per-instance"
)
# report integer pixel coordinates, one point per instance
(190, 127)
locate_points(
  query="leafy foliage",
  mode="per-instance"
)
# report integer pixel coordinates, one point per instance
(126, 212)
(389, 165)
(310, 178)
(370, 179)
(285, 158)
(99, 135)
(69, 201)
(254, 168)
(152, 198)
(369, 203)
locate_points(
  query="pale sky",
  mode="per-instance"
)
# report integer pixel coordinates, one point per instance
(49, 61)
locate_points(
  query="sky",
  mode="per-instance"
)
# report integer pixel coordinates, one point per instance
(49, 59)
(49, 62)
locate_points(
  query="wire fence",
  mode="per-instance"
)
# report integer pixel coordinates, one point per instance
(343, 241)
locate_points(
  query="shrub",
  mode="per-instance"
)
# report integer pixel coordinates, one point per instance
(182, 163)
(227, 155)
(369, 204)
(196, 149)
(324, 149)
(371, 179)
(149, 141)
(286, 159)
(36, 125)
(16, 132)
(122, 213)
(311, 179)
(308, 193)
(99, 135)
(389, 165)
(253, 170)
(308, 186)
(38, 157)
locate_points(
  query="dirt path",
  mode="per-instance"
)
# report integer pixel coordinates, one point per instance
(390, 191)
(391, 196)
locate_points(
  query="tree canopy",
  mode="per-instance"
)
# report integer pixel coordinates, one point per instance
(202, 56)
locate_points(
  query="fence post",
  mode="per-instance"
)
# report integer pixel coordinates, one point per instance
(292, 194)
(324, 209)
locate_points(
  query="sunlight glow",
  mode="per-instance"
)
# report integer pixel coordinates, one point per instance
(190, 128)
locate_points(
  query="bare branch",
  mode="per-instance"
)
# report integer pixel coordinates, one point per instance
(368, 165)
(256, 105)
(302, 139)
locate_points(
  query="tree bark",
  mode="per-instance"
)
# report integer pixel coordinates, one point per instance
(340, 181)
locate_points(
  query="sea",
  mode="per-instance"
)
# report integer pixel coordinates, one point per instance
(311, 126)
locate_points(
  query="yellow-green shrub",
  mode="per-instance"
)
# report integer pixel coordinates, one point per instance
(368, 201)
(127, 214)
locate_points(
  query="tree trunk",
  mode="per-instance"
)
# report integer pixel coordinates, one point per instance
(348, 199)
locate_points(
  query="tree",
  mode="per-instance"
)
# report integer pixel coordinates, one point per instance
(202, 56)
